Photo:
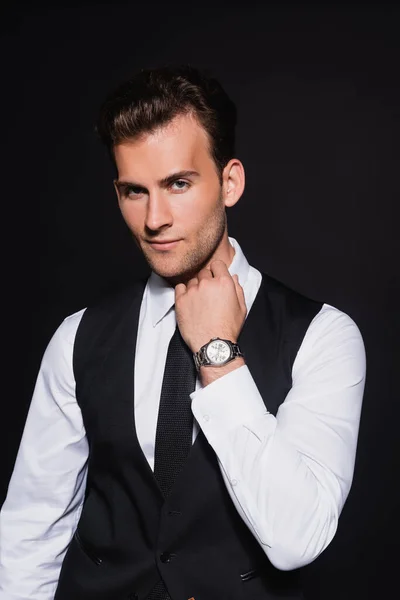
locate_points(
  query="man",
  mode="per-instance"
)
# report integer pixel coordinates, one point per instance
(117, 491)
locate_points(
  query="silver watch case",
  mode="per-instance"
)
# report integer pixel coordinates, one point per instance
(229, 350)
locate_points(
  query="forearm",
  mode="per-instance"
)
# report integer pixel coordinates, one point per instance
(269, 483)
(288, 475)
(286, 504)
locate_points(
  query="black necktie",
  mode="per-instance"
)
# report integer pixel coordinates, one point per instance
(175, 418)
(175, 424)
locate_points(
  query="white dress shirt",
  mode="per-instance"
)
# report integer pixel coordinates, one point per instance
(288, 476)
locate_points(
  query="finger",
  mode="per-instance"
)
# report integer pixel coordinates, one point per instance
(218, 268)
(192, 282)
(237, 284)
(204, 274)
(180, 289)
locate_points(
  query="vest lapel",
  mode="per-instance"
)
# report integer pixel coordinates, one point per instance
(119, 361)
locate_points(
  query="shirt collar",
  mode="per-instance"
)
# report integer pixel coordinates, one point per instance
(161, 295)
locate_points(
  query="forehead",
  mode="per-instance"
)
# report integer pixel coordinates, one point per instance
(181, 144)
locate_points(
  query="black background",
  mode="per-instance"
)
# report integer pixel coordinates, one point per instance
(317, 89)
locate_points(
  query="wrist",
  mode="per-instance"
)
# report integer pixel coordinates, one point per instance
(208, 374)
(218, 352)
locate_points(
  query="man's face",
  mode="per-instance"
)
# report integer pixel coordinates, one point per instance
(168, 189)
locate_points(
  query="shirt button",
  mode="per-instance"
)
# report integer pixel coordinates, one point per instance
(165, 557)
(234, 482)
(206, 417)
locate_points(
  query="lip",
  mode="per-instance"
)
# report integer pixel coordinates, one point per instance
(164, 245)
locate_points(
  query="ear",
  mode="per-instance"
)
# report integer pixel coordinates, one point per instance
(233, 181)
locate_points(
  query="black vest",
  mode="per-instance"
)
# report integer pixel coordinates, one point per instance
(127, 535)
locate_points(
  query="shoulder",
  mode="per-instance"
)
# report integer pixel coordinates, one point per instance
(325, 329)
(64, 335)
(116, 299)
(107, 315)
(56, 363)
(334, 338)
(330, 322)
(96, 311)
(327, 318)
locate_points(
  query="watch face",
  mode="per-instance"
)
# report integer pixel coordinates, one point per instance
(218, 351)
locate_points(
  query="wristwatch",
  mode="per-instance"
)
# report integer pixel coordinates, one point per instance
(216, 352)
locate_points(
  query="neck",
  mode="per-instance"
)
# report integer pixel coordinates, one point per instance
(224, 252)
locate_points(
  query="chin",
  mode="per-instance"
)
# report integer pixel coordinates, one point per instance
(174, 276)
(171, 274)
(162, 268)
(176, 268)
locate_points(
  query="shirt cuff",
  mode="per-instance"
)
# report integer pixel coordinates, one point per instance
(231, 401)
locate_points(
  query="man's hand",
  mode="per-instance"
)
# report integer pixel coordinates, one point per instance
(210, 305)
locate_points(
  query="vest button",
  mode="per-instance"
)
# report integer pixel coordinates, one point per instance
(165, 557)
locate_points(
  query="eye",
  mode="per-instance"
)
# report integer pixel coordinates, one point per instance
(133, 191)
(181, 185)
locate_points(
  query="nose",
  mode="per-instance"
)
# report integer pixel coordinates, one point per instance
(158, 213)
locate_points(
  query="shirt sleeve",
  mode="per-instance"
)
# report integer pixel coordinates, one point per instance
(290, 475)
(47, 486)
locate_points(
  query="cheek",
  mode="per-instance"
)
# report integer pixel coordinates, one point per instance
(195, 209)
(132, 214)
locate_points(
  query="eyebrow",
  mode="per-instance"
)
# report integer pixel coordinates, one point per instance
(164, 182)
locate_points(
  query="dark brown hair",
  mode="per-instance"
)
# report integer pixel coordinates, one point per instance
(153, 97)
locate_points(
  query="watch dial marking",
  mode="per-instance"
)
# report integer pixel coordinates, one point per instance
(218, 351)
